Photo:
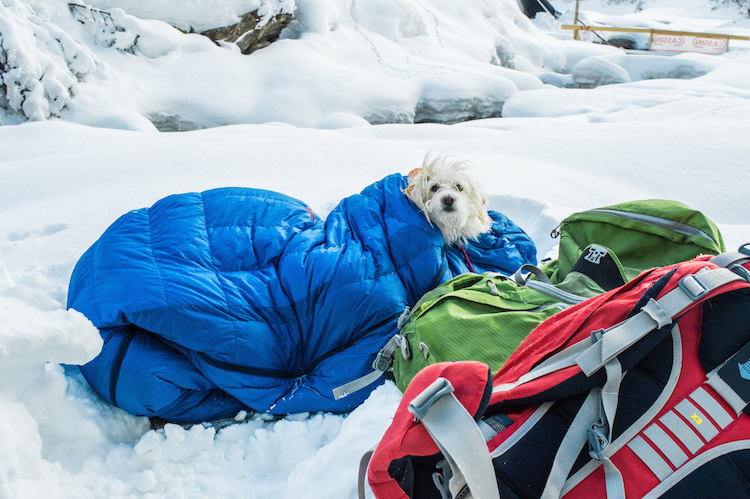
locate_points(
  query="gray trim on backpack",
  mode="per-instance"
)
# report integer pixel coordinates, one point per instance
(682, 431)
(727, 392)
(729, 258)
(695, 417)
(364, 462)
(562, 359)
(522, 431)
(641, 422)
(713, 408)
(532, 269)
(666, 445)
(678, 227)
(555, 292)
(458, 437)
(543, 284)
(650, 458)
(696, 463)
(655, 315)
(574, 440)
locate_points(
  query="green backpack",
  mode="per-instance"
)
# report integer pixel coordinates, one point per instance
(643, 235)
(481, 317)
(485, 317)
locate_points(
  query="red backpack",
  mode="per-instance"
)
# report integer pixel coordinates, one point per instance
(639, 392)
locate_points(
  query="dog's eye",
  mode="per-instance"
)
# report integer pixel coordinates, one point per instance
(435, 188)
(459, 187)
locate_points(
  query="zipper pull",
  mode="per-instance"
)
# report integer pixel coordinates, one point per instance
(556, 231)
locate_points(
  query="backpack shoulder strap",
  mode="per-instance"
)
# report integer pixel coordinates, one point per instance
(655, 315)
(731, 258)
(457, 436)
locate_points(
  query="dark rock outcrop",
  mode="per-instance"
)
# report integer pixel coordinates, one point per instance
(247, 35)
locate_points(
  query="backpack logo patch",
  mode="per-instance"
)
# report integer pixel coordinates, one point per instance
(595, 254)
(745, 370)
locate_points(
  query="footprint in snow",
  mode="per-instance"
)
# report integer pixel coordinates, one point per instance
(44, 231)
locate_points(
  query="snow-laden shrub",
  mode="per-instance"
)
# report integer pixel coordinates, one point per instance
(744, 4)
(40, 64)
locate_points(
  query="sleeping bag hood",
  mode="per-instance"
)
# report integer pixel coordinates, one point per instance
(239, 298)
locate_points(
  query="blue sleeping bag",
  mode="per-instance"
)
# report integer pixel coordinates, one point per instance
(239, 298)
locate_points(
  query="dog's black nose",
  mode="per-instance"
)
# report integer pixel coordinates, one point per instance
(448, 200)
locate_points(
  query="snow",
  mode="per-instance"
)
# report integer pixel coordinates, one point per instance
(328, 109)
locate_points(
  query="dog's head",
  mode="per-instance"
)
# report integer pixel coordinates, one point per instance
(450, 198)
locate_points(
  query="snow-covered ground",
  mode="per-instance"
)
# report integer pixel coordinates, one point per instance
(328, 109)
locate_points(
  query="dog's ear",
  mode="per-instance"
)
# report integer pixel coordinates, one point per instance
(413, 175)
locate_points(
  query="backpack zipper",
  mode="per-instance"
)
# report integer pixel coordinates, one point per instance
(678, 227)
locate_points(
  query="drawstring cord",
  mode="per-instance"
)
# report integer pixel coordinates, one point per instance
(466, 258)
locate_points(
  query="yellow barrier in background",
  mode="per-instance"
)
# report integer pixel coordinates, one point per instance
(678, 41)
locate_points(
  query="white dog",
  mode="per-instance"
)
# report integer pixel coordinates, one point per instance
(450, 198)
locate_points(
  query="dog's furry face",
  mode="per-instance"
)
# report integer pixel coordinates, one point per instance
(450, 198)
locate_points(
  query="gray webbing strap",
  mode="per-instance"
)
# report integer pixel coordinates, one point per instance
(613, 480)
(363, 464)
(561, 360)
(573, 442)
(666, 445)
(714, 409)
(655, 315)
(600, 434)
(611, 392)
(359, 383)
(730, 258)
(593, 425)
(552, 290)
(544, 285)
(650, 458)
(682, 431)
(381, 364)
(727, 392)
(532, 269)
(457, 436)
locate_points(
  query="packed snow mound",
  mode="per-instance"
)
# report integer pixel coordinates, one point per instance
(594, 71)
